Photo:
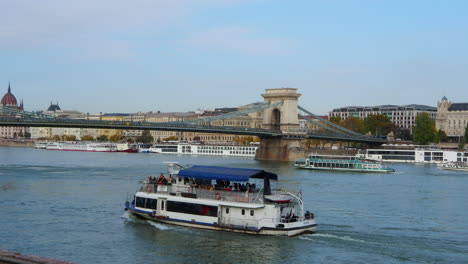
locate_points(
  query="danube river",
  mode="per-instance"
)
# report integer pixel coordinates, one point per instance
(69, 206)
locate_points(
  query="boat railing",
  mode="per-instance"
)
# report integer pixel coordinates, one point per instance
(252, 196)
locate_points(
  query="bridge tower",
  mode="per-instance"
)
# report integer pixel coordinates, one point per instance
(284, 118)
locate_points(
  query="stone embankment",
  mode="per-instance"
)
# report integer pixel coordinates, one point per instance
(10, 257)
(16, 142)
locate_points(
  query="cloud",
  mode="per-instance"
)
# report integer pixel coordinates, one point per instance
(240, 40)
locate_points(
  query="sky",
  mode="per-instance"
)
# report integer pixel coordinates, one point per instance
(183, 55)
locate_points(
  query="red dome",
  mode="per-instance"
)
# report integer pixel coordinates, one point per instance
(9, 99)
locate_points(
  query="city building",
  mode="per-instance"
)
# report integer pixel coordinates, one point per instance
(50, 132)
(452, 118)
(402, 116)
(9, 101)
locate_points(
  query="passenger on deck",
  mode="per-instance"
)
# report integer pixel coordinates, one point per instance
(162, 179)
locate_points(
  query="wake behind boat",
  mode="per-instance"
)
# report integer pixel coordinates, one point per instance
(340, 163)
(220, 198)
(456, 166)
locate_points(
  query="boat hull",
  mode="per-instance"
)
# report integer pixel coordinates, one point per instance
(299, 228)
(345, 169)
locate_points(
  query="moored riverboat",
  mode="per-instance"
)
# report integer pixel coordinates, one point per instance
(76, 146)
(220, 198)
(340, 163)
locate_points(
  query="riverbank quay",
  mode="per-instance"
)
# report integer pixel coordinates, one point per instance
(16, 142)
(10, 257)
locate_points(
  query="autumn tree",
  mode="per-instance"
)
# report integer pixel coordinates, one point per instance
(424, 130)
(69, 138)
(56, 138)
(335, 119)
(378, 125)
(87, 138)
(355, 124)
(115, 138)
(171, 138)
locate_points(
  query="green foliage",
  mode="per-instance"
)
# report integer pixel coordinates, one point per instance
(403, 133)
(378, 125)
(145, 137)
(441, 136)
(461, 145)
(27, 135)
(102, 138)
(87, 138)
(424, 130)
(466, 133)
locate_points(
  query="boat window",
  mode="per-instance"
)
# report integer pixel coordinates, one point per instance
(162, 205)
(251, 212)
(189, 208)
(243, 211)
(227, 210)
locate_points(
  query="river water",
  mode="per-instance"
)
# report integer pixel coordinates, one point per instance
(69, 206)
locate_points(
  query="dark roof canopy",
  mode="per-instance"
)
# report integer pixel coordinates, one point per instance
(226, 174)
(458, 107)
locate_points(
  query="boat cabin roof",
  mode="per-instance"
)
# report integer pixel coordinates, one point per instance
(226, 174)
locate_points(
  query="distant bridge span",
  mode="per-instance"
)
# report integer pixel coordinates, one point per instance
(182, 127)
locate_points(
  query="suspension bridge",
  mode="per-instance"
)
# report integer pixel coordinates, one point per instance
(280, 135)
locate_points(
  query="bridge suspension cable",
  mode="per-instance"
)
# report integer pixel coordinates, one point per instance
(338, 129)
(240, 112)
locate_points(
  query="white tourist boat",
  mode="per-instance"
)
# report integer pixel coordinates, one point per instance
(415, 155)
(340, 163)
(220, 198)
(75, 146)
(211, 150)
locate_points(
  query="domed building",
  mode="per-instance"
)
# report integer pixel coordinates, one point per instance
(9, 101)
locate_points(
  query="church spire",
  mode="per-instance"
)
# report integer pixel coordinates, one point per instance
(9, 89)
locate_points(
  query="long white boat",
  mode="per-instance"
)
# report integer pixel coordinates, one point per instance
(74, 146)
(416, 155)
(340, 163)
(211, 150)
(220, 198)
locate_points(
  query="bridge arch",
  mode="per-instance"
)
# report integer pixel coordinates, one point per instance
(275, 119)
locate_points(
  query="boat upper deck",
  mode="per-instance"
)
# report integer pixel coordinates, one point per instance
(242, 194)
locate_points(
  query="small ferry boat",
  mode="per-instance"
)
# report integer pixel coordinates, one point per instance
(75, 146)
(126, 147)
(340, 163)
(457, 166)
(220, 198)
(41, 144)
